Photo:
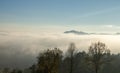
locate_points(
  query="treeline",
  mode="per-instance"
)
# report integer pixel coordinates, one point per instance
(98, 59)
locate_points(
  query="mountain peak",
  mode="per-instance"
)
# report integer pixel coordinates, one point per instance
(76, 32)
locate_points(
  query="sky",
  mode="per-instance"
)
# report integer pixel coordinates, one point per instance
(67, 14)
(28, 27)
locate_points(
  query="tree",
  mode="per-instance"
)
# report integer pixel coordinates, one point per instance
(33, 68)
(71, 51)
(97, 53)
(16, 71)
(48, 62)
(6, 70)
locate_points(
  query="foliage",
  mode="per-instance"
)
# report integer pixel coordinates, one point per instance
(53, 61)
(97, 52)
(48, 62)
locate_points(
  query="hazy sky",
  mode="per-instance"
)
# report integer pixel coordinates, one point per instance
(67, 14)
(29, 26)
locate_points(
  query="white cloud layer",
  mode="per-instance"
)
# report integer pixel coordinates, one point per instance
(19, 49)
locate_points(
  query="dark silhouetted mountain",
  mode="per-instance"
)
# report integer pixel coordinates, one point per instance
(85, 33)
(76, 32)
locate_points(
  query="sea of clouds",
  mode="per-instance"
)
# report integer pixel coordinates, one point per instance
(20, 49)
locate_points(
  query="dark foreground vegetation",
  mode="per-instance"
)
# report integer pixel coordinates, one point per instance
(98, 59)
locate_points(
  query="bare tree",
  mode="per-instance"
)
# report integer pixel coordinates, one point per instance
(97, 53)
(71, 51)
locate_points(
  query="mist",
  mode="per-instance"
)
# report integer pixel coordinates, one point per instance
(20, 49)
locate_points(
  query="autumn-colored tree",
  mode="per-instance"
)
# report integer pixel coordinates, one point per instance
(48, 61)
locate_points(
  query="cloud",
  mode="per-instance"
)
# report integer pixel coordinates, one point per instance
(112, 26)
(3, 33)
(109, 26)
(20, 49)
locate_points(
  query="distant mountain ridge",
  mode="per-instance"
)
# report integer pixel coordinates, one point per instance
(76, 32)
(85, 33)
